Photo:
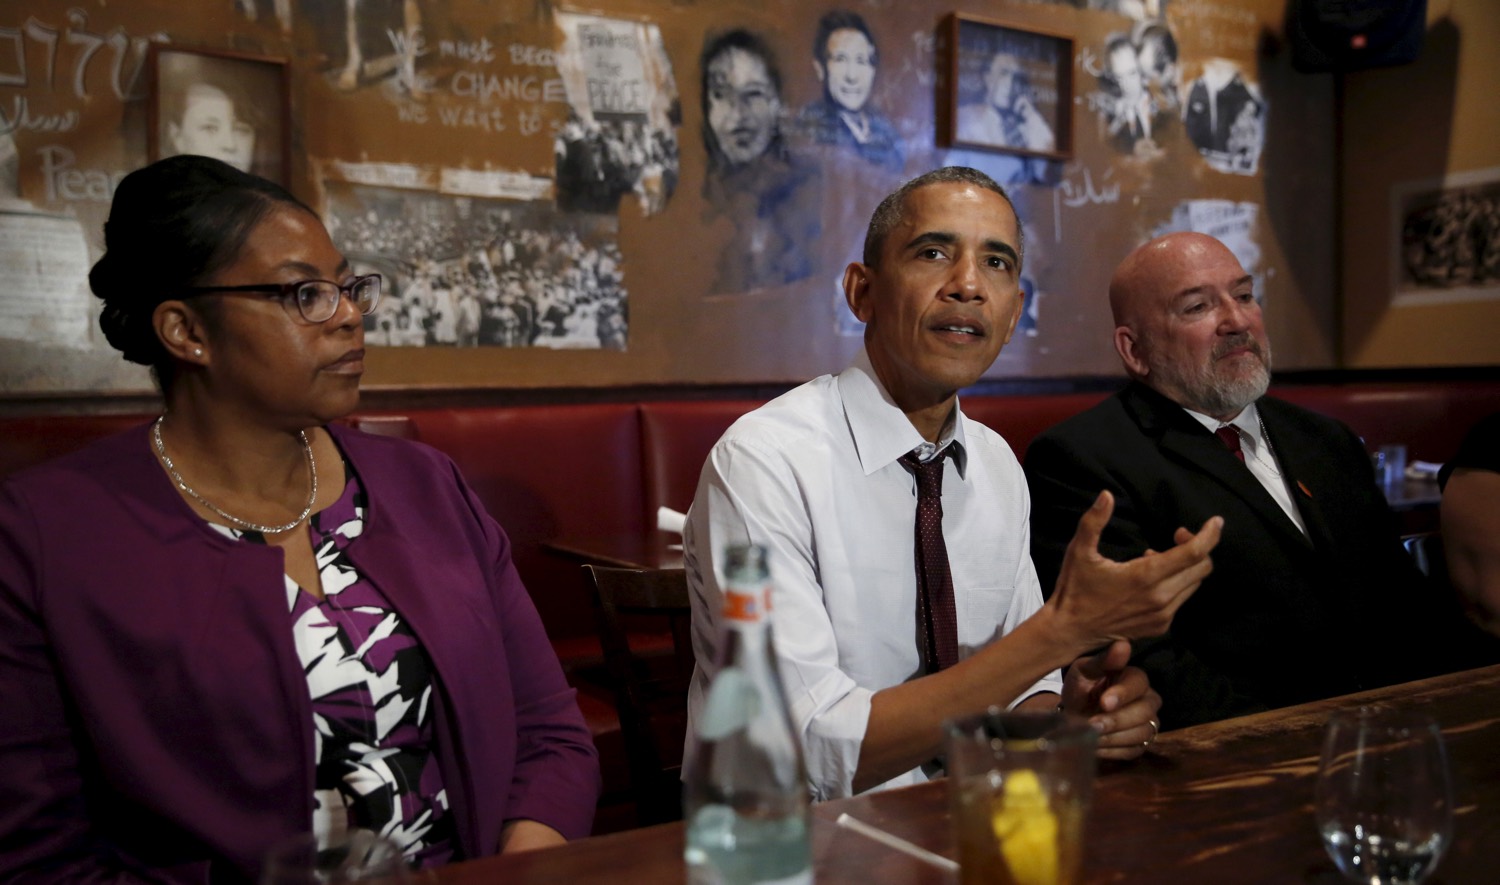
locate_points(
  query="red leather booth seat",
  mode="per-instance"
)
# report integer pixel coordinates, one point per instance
(545, 471)
(1430, 419)
(548, 472)
(30, 440)
(677, 436)
(542, 472)
(1020, 418)
(675, 441)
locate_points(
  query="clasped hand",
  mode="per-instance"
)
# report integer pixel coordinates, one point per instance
(1117, 700)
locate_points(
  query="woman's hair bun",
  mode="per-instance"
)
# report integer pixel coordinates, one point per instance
(126, 318)
(171, 224)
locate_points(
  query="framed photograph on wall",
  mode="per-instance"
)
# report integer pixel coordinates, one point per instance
(1444, 234)
(227, 105)
(1007, 88)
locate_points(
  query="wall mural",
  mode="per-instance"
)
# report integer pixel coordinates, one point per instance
(1226, 118)
(525, 175)
(473, 272)
(484, 259)
(1139, 93)
(621, 135)
(846, 60)
(754, 179)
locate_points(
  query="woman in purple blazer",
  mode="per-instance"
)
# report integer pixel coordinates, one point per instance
(241, 622)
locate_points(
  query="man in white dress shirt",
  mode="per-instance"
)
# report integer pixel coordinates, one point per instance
(815, 477)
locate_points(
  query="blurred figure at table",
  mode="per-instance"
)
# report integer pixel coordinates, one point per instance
(243, 621)
(1312, 594)
(881, 638)
(1471, 522)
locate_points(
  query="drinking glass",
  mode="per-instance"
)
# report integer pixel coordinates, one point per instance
(1391, 464)
(352, 856)
(1384, 802)
(1019, 785)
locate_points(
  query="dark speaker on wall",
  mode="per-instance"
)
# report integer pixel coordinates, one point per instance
(1351, 35)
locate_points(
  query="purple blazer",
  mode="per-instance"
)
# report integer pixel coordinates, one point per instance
(155, 722)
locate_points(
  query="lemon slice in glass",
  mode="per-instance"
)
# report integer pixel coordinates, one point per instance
(1026, 829)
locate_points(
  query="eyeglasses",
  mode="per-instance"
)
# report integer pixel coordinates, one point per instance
(316, 300)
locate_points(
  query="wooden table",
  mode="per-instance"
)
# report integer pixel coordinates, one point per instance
(1225, 803)
(652, 549)
(1412, 494)
(1415, 503)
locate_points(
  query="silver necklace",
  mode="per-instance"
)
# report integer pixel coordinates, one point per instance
(1270, 450)
(312, 496)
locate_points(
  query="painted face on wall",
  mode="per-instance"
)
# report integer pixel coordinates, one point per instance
(210, 128)
(1125, 66)
(743, 106)
(848, 68)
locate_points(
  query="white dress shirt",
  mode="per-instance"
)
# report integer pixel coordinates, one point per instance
(814, 476)
(1259, 457)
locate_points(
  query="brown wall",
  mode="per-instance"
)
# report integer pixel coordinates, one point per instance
(1420, 122)
(1100, 204)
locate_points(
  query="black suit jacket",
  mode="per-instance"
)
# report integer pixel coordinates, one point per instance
(1285, 617)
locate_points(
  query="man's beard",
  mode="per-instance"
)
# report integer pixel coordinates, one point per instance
(1203, 390)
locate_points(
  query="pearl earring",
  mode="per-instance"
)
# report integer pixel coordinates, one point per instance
(197, 351)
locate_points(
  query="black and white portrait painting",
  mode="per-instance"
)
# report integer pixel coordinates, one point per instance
(1138, 99)
(753, 179)
(227, 106)
(846, 61)
(1009, 86)
(1225, 117)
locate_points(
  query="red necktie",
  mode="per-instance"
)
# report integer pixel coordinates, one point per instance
(937, 614)
(1230, 437)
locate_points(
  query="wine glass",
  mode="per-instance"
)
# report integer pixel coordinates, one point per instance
(354, 855)
(1384, 802)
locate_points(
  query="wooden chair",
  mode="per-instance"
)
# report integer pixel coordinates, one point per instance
(638, 609)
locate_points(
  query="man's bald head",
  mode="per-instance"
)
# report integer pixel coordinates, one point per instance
(1187, 324)
(1153, 265)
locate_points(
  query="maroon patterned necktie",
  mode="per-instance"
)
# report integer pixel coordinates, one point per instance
(1230, 437)
(937, 614)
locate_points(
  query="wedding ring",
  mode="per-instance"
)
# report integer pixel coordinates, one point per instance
(1155, 729)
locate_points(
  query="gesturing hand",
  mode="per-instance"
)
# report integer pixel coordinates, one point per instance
(1100, 600)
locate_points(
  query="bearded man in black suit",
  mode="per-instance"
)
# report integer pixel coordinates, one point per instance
(1311, 595)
